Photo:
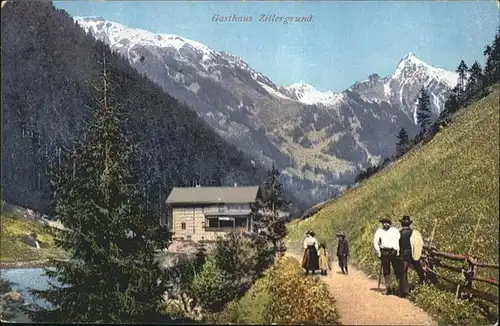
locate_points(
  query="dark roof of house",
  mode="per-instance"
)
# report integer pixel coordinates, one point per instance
(213, 195)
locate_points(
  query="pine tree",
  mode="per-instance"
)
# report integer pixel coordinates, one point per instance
(492, 67)
(451, 105)
(113, 274)
(462, 76)
(266, 212)
(474, 82)
(423, 111)
(403, 143)
(273, 192)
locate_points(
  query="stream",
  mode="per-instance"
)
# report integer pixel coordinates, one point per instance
(25, 279)
(34, 278)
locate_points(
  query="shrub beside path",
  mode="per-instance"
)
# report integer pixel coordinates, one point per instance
(360, 303)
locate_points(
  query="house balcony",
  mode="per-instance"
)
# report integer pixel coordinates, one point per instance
(227, 223)
(228, 212)
(226, 229)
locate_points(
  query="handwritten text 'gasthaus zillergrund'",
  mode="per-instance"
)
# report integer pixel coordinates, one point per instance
(262, 18)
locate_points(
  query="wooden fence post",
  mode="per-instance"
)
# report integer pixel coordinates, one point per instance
(429, 259)
(469, 274)
(474, 236)
(457, 292)
(468, 270)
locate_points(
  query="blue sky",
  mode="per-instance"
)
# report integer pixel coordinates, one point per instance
(344, 43)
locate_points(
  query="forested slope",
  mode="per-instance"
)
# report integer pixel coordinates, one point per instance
(47, 64)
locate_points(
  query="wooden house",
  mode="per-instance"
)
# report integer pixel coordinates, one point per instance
(205, 213)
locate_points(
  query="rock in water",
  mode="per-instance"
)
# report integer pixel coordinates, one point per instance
(30, 241)
(12, 296)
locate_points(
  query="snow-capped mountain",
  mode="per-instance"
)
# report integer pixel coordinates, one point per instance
(320, 139)
(410, 63)
(436, 80)
(307, 94)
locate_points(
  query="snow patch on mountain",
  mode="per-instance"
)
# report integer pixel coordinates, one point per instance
(411, 62)
(415, 111)
(194, 87)
(307, 94)
(208, 62)
(117, 33)
(387, 89)
(273, 92)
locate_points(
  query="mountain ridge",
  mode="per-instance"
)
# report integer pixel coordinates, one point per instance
(321, 140)
(88, 22)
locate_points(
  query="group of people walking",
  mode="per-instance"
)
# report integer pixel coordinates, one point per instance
(399, 248)
(316, 256)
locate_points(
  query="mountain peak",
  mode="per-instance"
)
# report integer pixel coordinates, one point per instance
(307, 94)
(411, 58)
(300, 85)
(409, 55)
(410, 65)
(89, 18)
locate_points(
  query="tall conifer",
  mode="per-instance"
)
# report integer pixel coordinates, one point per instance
(112, 274)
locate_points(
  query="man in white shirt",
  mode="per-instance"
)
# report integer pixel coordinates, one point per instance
(386, 244)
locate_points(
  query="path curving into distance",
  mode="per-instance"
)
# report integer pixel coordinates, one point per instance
(358, 301)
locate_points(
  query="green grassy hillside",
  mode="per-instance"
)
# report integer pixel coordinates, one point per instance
(13, 247)
(452, 180)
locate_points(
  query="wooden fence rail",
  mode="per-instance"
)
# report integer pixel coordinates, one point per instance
(433, 258)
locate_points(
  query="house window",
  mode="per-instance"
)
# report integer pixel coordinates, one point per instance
(213, 222)
(221, 208)
(183, 226)
(226, 222)
(240, 222)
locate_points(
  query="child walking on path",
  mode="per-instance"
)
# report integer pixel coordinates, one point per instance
(324, 262)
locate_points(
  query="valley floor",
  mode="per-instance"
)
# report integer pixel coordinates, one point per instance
(358, 301)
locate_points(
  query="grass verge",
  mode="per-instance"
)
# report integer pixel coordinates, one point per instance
(283, 295)
(450, 182)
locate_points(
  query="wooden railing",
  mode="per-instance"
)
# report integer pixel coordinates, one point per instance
(432, 259)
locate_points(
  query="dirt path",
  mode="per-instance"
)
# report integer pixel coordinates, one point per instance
(359, 303)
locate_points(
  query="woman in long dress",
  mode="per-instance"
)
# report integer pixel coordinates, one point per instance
(310, 258)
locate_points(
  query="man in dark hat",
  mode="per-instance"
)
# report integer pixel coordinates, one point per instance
(343, 252)
(386, 244)
(410, 244)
